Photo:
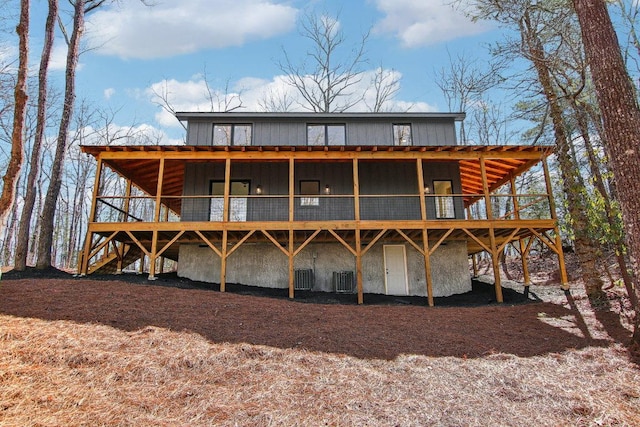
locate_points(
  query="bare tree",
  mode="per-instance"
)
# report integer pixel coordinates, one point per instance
(464, 84)
(80, 8)
(12, 173)
(225, 100)
(22, 240)
(275, 101)
(384, 85)
(327, 78)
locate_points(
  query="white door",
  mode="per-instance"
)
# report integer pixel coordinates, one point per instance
(395, 267)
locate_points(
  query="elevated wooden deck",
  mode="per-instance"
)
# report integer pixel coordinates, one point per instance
(159, 173)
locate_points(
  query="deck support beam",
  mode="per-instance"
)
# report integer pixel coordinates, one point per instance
(564, 281)
(356, 215)
(223, 261)
(523, 253)
(92, 218)
(156, 219)
(291, 246)
(427, 266)
(125, 208)
(426, 253)
(495, 256)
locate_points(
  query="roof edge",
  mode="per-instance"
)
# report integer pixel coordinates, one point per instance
(186, 115)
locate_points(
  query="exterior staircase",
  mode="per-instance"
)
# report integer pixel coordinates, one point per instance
(108, 264)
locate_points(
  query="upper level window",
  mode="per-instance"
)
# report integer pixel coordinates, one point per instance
(232, 134)
(402, 134)
(326, 135)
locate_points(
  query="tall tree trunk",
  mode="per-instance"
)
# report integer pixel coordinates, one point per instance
(621, 120)
(22, 244)
(584, 247)
(50, 201)
(10, 179)
(598, 183)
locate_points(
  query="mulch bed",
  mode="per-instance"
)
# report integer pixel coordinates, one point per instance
(469, 325)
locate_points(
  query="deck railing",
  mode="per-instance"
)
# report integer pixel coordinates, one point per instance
(266, 208)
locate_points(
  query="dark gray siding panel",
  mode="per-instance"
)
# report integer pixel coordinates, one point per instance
(339, 178)
(291, 132)
(196, 184)
(398, 179)
(287, 133)
(379, 177)
(369, 134)
(434, 133)
(199, 133)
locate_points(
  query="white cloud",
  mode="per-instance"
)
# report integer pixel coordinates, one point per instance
(425, 22)
(193, 96)
(109, 92)
(141, 134)
(58, 59)
(132, 30)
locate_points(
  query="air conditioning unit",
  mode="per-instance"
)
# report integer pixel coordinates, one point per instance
(303, 279)
(343, 281)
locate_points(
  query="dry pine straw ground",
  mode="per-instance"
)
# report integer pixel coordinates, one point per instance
(83, 352)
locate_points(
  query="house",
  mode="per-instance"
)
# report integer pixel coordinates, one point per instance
(384, 203)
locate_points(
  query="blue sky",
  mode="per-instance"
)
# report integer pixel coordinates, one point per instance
(132, 50)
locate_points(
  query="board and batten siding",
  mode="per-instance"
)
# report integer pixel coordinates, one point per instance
(273, 133)
(371, 133)
(389, 190)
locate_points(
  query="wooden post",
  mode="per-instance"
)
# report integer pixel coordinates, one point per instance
(291, 251)
(152, 258)
(427, 266)
(291, 246)
(523, 257)
(226, 191)
(357, 235)
(495, 258)
(127, 200)
(92, 218)
(425, 233)
(359, 283)
(421, 189)
(223, 261)
(225, 219)
(156, 219)
(474, 260)
(165, 218)
(125, 208)
(525, 267)
(564, 281)
(485, 189)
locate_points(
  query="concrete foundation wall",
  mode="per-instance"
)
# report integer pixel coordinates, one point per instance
(266, 266)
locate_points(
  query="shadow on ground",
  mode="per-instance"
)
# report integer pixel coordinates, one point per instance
(469, 325)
